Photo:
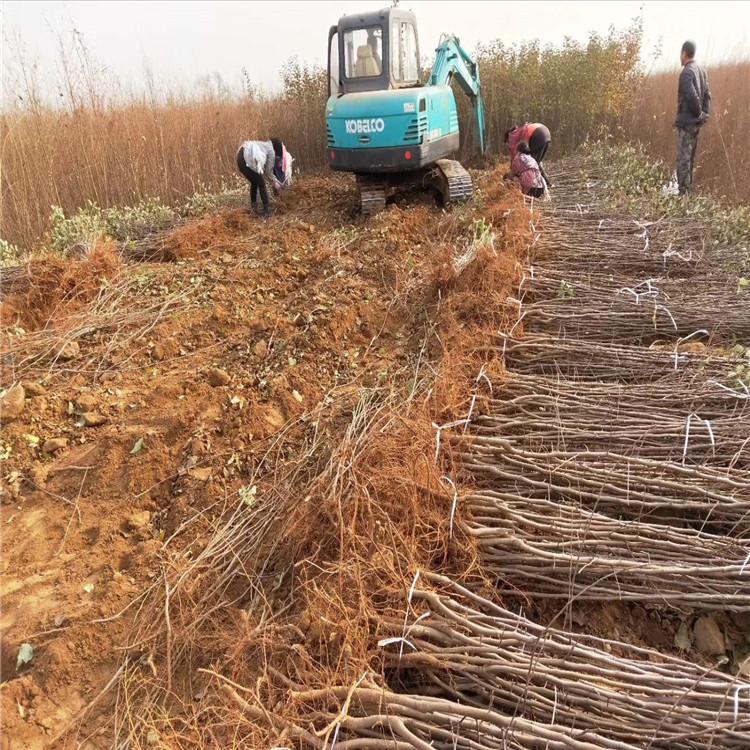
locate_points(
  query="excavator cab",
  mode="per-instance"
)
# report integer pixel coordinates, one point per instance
(373, 52)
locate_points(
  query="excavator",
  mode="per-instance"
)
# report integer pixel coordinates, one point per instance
(385, 125)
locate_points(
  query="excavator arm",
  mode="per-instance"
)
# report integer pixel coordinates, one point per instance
(452, 61)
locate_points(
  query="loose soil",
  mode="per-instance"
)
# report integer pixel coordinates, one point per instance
(299, 366)
(261, 322)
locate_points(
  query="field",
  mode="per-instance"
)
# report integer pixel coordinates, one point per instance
(472, 478)
(107, 148)
(270, 481)
(722, 165)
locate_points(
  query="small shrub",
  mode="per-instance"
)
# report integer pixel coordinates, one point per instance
(632, 176)
(233, 193)
(10, 255)
(90, 223)
(128, 222)
(84, 228)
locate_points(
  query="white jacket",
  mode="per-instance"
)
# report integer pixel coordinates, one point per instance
(259, 156)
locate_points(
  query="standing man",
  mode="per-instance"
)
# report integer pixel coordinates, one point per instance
(693, 105)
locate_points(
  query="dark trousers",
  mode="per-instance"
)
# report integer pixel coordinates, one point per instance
(256, 181)
(687, 142)
(538, 145)
(278, 150)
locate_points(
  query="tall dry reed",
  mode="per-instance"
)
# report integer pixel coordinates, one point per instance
(114, 149)
(111, 153)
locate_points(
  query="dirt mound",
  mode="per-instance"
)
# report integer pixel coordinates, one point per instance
(56, 287)
(199, 236)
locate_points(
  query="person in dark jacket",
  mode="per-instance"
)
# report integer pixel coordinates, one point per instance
(693, 106)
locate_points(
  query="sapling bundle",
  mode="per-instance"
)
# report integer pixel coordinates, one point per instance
(602, 307)
(620, 485)
(561, 551)
(544, 354)
(692, 420)
(466, 673)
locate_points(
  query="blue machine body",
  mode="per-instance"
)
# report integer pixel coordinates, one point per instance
(421, 124)
(380, 123)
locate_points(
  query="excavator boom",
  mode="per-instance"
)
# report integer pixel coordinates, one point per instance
(452, 62)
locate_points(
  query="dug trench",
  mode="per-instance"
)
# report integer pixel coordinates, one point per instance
(380, 484)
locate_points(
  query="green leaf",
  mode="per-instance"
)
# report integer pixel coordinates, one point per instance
(248, 495)
(138, 447)
(566, 290)
(25, 655)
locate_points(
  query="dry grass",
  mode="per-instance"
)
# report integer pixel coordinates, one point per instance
(107, 148)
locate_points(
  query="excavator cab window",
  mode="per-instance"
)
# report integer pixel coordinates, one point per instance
(334, 82)
(377, 51)
(404, 53)
(363, 52)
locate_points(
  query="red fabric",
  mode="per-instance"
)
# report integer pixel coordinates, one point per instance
(526, 171)
(521, 133)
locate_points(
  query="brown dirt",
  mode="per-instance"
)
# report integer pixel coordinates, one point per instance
(59, 287)
(307, 314)
(310, 303)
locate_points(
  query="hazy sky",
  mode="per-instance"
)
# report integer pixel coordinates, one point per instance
(182, 41)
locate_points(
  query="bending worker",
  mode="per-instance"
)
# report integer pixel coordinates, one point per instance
(537, 136)
(525, 170)
(261, 163)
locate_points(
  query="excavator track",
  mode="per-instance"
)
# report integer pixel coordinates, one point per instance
(454, 182)
(372, 196)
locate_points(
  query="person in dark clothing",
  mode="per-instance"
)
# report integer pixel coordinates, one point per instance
(537, 136)
(257, 183)
(278, 164)
(693, 107)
